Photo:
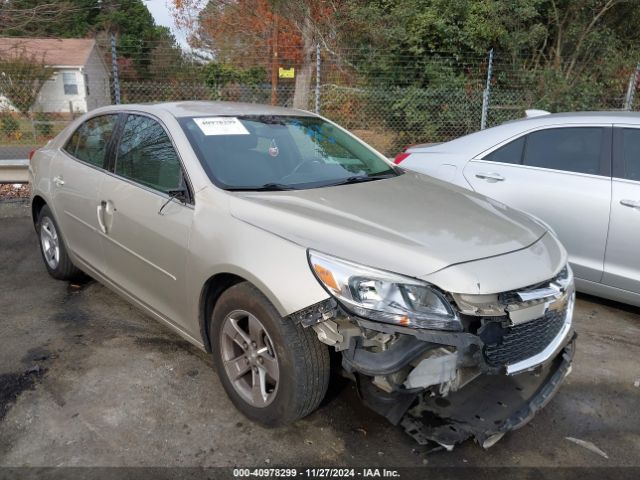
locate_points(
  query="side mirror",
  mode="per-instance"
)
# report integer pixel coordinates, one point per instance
(180, 194)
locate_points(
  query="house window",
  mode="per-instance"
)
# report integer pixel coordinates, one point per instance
(70, 83)
(86, 84)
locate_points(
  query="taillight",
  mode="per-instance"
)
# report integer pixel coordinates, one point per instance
(401, 157)
(31, 153)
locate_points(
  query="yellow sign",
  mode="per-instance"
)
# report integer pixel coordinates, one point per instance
(286, 72)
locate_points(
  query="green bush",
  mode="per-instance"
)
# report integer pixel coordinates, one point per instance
(43, 126)
(9, 125)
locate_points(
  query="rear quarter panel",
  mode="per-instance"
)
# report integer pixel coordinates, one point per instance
(40, 174)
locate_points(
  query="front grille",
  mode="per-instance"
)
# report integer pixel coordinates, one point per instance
(515, 343)
(513, 296)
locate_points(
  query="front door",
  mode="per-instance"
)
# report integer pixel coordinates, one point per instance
(562, 176)
(622, 259)
(146, 232)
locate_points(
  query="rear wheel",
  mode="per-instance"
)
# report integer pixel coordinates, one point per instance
(274, 371)
(54, 252)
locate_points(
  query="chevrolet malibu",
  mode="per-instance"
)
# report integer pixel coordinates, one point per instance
(267, 236)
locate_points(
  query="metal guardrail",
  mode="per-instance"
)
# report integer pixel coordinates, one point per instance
(14, 171)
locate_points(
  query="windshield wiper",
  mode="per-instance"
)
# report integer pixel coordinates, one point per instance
(362, 178)
(267, 187)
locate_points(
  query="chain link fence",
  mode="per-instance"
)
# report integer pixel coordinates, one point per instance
(385, 109)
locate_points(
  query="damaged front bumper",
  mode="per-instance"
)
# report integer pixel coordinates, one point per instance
(489, 406)
(447, 387)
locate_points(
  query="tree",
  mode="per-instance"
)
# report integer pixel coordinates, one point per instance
(566, 35)
(250, 32)
(21, 78)
(137, 34)
(44, 18)
(140, 40)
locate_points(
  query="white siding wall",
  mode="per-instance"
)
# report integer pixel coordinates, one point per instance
(52, 97)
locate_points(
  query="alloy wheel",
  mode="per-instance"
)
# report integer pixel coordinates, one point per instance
(249, 359)
(50, 243)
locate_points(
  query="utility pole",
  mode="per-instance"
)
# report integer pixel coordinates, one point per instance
(274, 62)
(114, 68)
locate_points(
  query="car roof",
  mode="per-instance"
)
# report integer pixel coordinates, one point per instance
(200, 108)
(479, 141)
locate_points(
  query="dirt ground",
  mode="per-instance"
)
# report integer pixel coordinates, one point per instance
(87, 380)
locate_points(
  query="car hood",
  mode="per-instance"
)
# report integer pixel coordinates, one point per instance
(411, 224)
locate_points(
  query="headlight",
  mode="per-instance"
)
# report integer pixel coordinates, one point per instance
(565, 277)
(384, 296)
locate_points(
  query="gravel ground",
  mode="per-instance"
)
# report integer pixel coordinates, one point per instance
(87, 380)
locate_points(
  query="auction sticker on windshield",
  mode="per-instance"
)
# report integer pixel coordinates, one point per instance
(221, 126)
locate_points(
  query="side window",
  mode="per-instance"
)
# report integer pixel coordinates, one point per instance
(146, 155)
(570, 149)
(631, 153)
(90, 141)
(509, 153)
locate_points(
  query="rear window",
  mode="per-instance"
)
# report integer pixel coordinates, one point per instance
(509, 153)
(249, 152)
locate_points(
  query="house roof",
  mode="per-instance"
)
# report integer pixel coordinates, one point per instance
(53, 51)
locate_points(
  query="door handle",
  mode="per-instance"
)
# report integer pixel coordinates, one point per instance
(490, 177)
(630, 203)
(100, 212)
(58, 181)
(107, 215)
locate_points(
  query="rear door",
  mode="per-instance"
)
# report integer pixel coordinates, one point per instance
(622, 259)
(146, 234)
(560, 174)
(77, 174)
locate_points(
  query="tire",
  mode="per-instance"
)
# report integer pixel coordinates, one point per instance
(58, 264)
(301, 360)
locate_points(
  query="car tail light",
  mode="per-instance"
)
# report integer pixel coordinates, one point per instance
(401, 157)
(31, 153)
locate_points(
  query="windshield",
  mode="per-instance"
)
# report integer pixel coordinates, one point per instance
(267, 152)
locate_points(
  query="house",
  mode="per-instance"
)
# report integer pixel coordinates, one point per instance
(80, 80)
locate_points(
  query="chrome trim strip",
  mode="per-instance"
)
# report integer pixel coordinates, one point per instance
(552, 349)
(137, 255)
(115, 242)
(539, 294)
(79, 220)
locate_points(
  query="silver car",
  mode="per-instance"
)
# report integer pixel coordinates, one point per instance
(267, 236)
(578, 172)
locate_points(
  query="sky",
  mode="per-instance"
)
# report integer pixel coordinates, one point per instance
(162, 15)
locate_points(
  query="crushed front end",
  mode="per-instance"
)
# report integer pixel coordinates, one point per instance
(489, 365)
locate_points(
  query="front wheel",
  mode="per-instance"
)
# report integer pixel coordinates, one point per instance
(54, 252)
(274, 371)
